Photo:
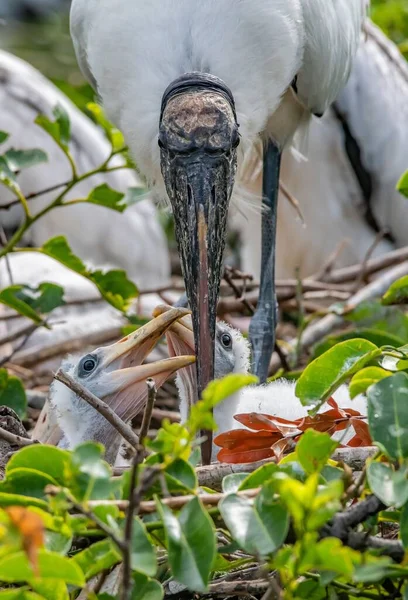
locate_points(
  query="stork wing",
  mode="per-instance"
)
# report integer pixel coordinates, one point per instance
(332, 30)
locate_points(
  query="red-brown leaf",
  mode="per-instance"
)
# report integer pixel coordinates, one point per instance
(244, 456)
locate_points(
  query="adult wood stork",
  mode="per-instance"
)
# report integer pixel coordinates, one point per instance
(116, 375)
(95, 233)
(347, 186)
(202, 77)
(232, 355)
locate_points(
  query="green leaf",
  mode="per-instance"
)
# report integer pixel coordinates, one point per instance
(404, 525)
(181, 477)
(391, 320)
(87, 458)
(388, 414)
(327, 372)
(191, 544)
(12, 393)
(146, 589)
(402, 185)
(397, 293)
(114, 135)
(20, 594)
(18, 160)
(364, 378)
(375, 336)
(58, 248)
(4, 137)
(59, 129)
(314, 450)
(390, 486)
(232, 483)
(6, 175)
(115, 287)
(134, 195)
(50, 590)
(103, 195)
(47, 459)
(11, 296)
(16, 568)
(18, 500)
(27, 482)
(98, 557)
(143, 555)
(259, 477)
(259, 528)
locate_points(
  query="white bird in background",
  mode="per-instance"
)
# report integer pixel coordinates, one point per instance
(116, 375)
(95, 233)
(187, 73)
(232, 355)
(346, 188)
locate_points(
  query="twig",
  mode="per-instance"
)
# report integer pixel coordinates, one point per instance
(225, 589)
(125, 431)
(52, 188)
(239, 295)
(11, 337)
(127, 566)
(292, 200)
(16, 440)
(342, 523)
(17, 349)
(331, 261)
(147, 415)
(363, 273)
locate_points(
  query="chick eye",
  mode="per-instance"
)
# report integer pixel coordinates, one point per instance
(226, 340)
(88, 364)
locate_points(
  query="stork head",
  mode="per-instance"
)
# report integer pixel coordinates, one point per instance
(115, 374)
(232, 355)
(198, 142)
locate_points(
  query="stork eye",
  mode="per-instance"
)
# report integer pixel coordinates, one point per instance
(87, 364)
(226, 340)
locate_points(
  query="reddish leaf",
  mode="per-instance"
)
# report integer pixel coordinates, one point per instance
(236, 457)
(244, 439)
(261, 422)
(282, 446)
(362, 430)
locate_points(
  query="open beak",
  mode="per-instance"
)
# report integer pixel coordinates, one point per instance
(123, 376)
(198, 140)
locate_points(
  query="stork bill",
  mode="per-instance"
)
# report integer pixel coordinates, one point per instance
(117, 375)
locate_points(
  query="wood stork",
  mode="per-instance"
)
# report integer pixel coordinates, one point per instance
(95, 233)
(232, 355)
(201, 78)
(347, 186)
(116, 375)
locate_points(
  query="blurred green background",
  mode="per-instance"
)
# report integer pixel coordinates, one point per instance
(47, 45)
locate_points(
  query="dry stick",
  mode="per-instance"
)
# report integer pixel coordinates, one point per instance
(319, 329)
(293, 201)
(17, 349)
(331, 261)
(363, 274)
(16, 440)
(125, 431)
(147, 415)
(11, 337)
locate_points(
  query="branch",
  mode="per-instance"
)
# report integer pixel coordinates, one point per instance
(342, 523)
(16, 440)
(125, 431)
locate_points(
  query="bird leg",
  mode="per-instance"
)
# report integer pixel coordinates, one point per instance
(263, 323)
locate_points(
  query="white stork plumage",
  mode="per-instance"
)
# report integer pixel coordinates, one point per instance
(187, 73)
(333, 200)
(95, 233)
(232, 355)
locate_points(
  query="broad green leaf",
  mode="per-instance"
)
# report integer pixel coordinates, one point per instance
(58, 248)
(259, 477)
(62, 118)
(4, 137)
(11, 296)
(374, 571)
(18, 500)
(390, 486)
(12, 393)
(103, 195)
(47, 459)
(232, 483)
(145, 588)
(6, 175)
(18, 160)
(115, 287)
(181, 476)
(50, 590)
(87, 458)
(259, 528)
(404, 526)
(16, 568)
(327, 372)
(314, 450)
(44, 298)
(388, 414)
(389, 319)
(20, 594)
(397, 292)
(362, 380)
(98, 557)
(143, 555)
(27, 482)
(375, 336)
(191, 544)
(402, 185)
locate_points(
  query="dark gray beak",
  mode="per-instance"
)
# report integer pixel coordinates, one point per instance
(198, 141)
